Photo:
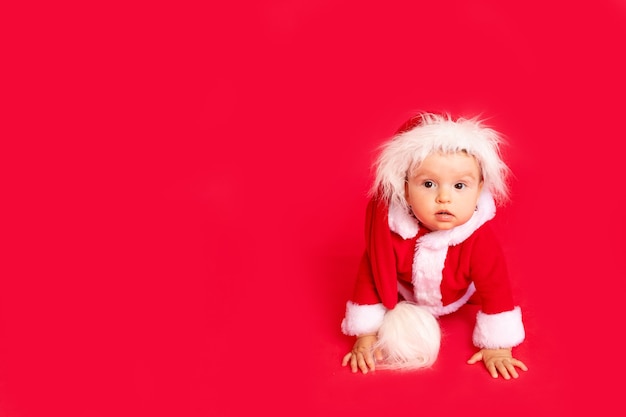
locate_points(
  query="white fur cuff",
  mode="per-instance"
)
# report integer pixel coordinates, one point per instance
(362, 319)
(496, 331)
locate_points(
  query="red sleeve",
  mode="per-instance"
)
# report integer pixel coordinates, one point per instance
(489, 272)
(377, 275)
(365, 289)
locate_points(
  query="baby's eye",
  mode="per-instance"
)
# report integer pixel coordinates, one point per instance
(428, 184)
(459, 186)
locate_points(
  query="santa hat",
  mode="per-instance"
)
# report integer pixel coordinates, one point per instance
(428, 133)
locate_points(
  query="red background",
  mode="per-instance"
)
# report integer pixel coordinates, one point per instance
(184, 191)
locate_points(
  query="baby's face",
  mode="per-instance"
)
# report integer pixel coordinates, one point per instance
(443, 191)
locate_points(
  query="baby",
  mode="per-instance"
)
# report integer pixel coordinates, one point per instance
(430, 249)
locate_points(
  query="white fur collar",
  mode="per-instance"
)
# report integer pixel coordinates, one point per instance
(404, 224)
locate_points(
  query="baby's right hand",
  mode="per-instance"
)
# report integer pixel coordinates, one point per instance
(361, 357)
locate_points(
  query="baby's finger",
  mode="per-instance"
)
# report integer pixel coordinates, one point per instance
(511, 368)
(354, 366)
(346, 358)
(369, 360)
(491, 368)
(478, 356)
(503, 369)
(362, 363)
(519, 364)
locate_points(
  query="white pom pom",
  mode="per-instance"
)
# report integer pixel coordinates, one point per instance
(409, 338)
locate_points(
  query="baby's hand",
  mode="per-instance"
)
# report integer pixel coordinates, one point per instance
(498, 361)
(361, 357)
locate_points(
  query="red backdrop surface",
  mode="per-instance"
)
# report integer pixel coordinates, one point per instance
(184, 188)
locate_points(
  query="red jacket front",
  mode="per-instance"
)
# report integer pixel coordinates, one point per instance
(477, 260)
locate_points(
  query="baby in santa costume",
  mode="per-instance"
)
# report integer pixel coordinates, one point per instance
(430, 249)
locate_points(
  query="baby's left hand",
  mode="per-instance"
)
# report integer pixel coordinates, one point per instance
(498, 360)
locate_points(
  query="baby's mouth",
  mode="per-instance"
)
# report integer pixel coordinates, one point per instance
(444, 216)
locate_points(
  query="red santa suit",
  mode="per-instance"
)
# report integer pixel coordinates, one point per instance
(439, 271)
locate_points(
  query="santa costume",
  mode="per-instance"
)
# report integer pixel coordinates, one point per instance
(409, 276)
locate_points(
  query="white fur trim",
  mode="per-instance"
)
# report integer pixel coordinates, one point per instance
(409, 338)
(431, 251)
(441, 310)
(362, 319)
(496, 331)
(401, 222)
(427, 266)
